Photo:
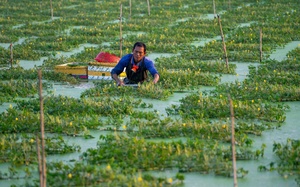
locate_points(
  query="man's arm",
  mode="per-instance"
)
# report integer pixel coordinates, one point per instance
(118, 69)
(151, 68)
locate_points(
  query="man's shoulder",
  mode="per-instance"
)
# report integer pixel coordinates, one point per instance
(125, 57)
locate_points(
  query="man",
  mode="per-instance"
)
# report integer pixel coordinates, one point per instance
(137, 66)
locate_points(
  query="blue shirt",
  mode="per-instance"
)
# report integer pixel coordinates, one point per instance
(119, 68)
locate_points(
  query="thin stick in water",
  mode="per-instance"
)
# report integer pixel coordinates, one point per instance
(130, 8)
(121, 37)
(148, 3)
(42, 129)
(39, 159)
(11, 55)
(260, 44)
(233, 142)
(51, 9)
(214, 7)
(224, 45)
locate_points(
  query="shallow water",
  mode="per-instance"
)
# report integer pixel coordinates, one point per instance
(280, 53)
(29, 64)
(154, 56)
(242, 71)
(202, 42)
(290, 129)
(74, 51)
(7, 45)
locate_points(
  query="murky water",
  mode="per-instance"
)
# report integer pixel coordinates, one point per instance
(154, 56)
(203, 41)
(280, 52)
(28, 64)
(290, 129)
(7, 45)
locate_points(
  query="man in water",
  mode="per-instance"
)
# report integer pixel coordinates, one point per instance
(137, 66)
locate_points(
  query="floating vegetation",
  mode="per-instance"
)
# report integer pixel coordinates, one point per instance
(195, 134)
(287, 164)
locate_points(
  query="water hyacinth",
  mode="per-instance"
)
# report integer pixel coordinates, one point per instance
(140, 138)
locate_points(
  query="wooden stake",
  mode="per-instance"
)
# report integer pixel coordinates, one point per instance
(43, 160)
(224, 45)
(130, 8)
(148, 3)
(39, 159)
(51, 9)
(233, 142)
(121, 37)
(11, 55)
(260, 44)
(214, 7)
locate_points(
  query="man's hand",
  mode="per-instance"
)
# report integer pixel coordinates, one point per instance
(118, 81)
(121, 83)
(156, 78)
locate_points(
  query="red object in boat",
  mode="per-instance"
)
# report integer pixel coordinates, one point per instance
(107, 57)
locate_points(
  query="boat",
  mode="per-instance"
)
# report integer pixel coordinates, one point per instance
(98, 70)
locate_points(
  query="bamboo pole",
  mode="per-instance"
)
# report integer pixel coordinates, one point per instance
(260, 44)
(130, 8)
(11, 55)
(39, 159)
(148, 3)
(43, 160)
(214, 7)
(223, 41)
(51, 9)
(121, 37)
(233, 143)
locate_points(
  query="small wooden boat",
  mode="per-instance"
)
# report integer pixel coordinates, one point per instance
(78, 71)
(99, 70)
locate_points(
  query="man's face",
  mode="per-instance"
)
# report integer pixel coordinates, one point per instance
(138, 53)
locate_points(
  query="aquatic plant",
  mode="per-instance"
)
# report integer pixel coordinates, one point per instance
(190, 156)
(287, 162)
(197, 106)
(171, 28)
(11, 144)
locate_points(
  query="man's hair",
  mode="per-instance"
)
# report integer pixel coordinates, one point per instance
(140, 44)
